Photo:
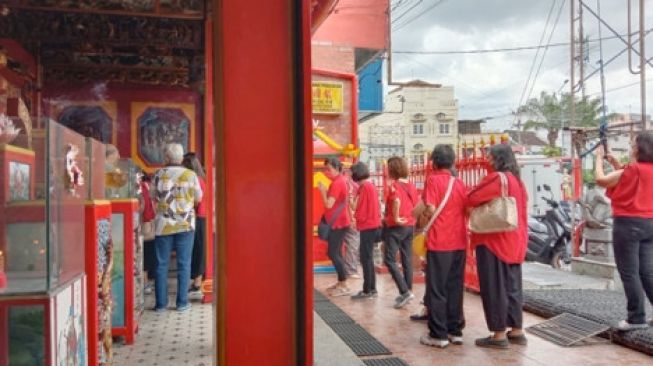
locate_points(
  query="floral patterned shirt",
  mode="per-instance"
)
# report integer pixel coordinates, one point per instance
(175, 192)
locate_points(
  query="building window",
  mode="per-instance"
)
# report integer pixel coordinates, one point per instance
(440, 116)
(418, 128)
(444, 129)
(417, 159)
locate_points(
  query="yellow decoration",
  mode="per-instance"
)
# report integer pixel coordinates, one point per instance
(320, 177)
(348, 150)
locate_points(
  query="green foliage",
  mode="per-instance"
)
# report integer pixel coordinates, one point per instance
(588, 177)
(553, 113)
(552, 151)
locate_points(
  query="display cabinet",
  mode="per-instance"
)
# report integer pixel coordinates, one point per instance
(127, 273)
(99, 261)
(43, 308)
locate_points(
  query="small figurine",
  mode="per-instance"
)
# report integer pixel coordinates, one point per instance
(74, 176)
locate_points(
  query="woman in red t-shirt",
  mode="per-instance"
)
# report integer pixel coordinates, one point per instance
(198, 262)
(630, 189)
(499, 255)
(367, 219)
(335, 200)
(399, 222)
(446, 242)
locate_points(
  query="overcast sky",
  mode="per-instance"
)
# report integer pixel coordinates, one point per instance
(491, 84)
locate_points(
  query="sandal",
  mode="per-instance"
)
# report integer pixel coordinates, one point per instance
(489, 342)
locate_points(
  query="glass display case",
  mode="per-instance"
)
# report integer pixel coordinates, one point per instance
(43, 300)
(99, 257)
(127, 272)
(121, 179)
(127, 277)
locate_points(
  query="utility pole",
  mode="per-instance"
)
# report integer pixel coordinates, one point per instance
(572, 115)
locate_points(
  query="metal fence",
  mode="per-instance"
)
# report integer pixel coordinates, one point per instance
(471, 166)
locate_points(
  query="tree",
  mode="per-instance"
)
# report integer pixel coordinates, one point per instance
(552, 112)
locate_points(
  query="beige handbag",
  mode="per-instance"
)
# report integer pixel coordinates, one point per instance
(496, 216)
(147, 229)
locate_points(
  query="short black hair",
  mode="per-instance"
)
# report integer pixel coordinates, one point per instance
(644, 143)
(334, 163)
(359, 171)
(443, 157)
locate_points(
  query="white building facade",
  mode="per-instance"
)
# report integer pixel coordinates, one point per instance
(417, 116)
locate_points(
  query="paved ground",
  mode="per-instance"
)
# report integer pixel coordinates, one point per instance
(541, 276)
(329, 349)
(401, 335)
(170, 338)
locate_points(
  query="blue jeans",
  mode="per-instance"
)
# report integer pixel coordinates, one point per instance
(182, 243)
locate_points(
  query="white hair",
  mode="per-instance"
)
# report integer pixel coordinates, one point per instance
(174, 153)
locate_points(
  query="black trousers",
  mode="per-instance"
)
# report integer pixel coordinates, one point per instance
(445, 273)
(367, 240)
(501, 291)
(198, 263)
(632, 239)
(336, 238)
(400, 238)
(149, 259)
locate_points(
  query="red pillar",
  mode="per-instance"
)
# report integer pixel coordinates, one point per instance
(263, 313)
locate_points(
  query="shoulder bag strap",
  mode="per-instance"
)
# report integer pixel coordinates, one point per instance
(504, 184)
(442, 204)
(403, 186)
(337, 213)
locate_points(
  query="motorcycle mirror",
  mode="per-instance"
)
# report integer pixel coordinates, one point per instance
(546, 187)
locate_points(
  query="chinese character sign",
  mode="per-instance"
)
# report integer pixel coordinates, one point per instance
(327, 97)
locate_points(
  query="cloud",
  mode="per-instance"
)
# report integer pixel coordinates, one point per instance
(493, 83)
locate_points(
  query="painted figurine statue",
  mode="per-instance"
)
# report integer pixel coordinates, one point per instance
(74, 176)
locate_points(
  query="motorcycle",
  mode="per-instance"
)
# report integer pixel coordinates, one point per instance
(549, 235)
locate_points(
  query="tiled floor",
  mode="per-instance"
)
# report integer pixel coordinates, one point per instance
(170, 338)
(401, 335)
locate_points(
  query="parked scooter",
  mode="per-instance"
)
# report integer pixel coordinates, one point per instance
(549, 235)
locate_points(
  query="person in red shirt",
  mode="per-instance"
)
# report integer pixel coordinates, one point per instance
(499, 255)
(401, 200)
(367, 219)
(198, 262)
(335, 201)
(148, 214)
(446, 249)
(630, 189)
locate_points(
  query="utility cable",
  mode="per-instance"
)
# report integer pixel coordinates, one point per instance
(539, 67)
(499, 50)
(406, 12)
(532, 68)
(417, 16)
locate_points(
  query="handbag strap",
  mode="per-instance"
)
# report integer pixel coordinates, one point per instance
(504, 184)
(442, 204)
(337, 213)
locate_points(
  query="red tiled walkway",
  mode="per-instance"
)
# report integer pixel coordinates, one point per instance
(401, 335)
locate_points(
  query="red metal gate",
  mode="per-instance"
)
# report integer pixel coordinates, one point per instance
(471, 167)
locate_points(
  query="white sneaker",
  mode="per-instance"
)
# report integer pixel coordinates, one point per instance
(625, 326)
(427, 340)
(457, 340)
(340, 291)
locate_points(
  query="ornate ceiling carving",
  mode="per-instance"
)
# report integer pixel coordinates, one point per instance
(189, 9)
(80, 47)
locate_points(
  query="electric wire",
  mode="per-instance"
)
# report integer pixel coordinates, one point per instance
(537, 53)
